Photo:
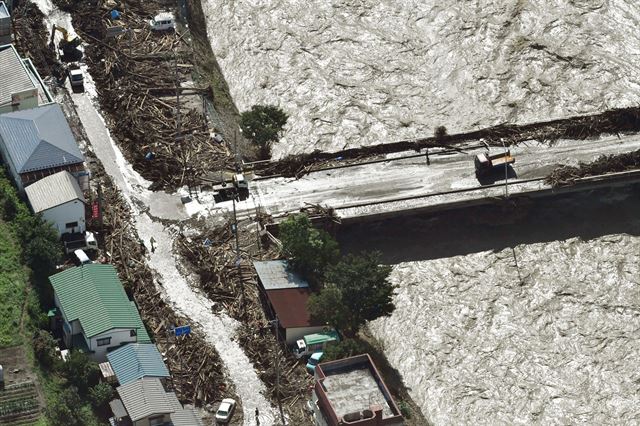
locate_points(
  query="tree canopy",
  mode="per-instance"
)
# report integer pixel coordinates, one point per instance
(263, 124)
(310, 251)
(358, 291)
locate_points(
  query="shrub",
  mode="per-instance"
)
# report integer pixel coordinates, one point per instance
(440, 133)
(344, 349)
(44, 348)
(263, 124)
(100, 395)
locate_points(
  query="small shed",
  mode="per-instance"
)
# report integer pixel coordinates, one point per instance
(286, 295)
(60, 201)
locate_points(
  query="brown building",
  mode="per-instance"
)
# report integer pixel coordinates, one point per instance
(351, 391)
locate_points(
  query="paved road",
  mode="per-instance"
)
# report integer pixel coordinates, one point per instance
(353, 186)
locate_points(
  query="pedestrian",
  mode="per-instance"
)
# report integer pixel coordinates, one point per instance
(427, 155)
(257, 417)
(153, 247)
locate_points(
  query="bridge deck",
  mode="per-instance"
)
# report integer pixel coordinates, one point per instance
(409, 184)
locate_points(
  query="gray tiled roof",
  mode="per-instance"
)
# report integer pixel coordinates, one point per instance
(53, 190)
(39, 138)
(13, 74)
(185, 417)
(135, 361)
(275, 275)
(4, 12)
(144, 398)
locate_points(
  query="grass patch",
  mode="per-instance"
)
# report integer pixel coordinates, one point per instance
(13, 285)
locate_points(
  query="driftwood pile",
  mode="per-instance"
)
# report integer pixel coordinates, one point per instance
(138, 75)
(567, 175)
(609, 122)
(196, 368)
(233, 288)
(31, 38)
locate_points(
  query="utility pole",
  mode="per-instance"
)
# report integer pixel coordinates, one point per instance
(276, 325)
(506, 171)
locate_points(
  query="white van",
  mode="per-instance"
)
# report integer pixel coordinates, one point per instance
(163, 21)
(81, 257)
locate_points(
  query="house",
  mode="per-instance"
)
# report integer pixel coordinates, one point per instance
(351, 391)
(5, 24)
(286, 295)
(60, 201)
(38, 142)
(136, 361)
(94, 312)
(21, 88)
(145, 402)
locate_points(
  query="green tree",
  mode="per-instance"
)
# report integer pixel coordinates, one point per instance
(327, 307)
(42, 249)
(309, 250)
(80, 371)
(100, 395)
(67, 409)
(344, 349)
(365, 290)
(44, 348)
(263, 124)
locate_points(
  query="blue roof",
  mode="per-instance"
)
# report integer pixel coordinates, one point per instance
(38, 138)
(135, 361)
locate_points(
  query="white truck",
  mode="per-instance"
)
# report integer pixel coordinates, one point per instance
(76, 77)
(314, 343)
(163, 21)
(79, 241)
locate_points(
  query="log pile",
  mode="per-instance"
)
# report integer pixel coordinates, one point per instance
(138, 75)
(609, 122)
(567, 175)
(196, 368)
(31, 38)
(233, 288)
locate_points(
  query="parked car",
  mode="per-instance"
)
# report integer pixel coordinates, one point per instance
(76, 78)
(81, 258)
(225, 411)
(314, 360)
(163, 21)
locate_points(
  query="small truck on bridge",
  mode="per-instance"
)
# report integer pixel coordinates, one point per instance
(486, 163)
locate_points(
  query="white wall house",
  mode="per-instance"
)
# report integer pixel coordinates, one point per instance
(60, 201)
(95, 314)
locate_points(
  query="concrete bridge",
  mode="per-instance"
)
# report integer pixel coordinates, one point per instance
(405, 184)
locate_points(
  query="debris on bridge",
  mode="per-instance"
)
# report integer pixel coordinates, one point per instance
(567, 175)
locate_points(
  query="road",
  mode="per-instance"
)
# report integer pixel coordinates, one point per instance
(350, 189)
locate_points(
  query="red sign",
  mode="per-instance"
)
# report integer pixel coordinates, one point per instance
(95, 210)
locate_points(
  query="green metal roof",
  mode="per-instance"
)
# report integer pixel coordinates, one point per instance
(134, 361)
(93, 294)
(314, 339)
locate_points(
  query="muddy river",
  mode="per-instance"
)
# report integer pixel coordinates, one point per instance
(536, 321)
(359, 72)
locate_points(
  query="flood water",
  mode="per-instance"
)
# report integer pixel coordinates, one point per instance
(361, 72)
(536, 321)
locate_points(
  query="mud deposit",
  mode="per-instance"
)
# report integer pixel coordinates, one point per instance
(538, 331)
(359, 72)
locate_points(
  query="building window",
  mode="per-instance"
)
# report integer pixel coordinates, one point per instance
(71, 225)
(105, 341)
(133, 333)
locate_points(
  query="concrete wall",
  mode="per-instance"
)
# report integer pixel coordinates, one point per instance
(296, 333)
(73, 211)
(22, 100)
